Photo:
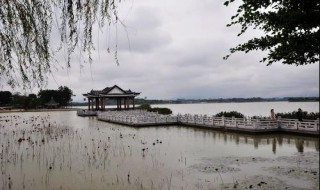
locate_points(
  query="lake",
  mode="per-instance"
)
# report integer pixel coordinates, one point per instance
(246, 108)
(59, 150)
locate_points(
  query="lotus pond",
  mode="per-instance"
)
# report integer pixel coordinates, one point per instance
(59, 150)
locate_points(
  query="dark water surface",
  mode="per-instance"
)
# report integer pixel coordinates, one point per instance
(59, 150)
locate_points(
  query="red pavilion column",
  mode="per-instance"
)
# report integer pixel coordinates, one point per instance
(128, 102)
(92, 103)
(117, 103)
(133, 103)
(97, 103)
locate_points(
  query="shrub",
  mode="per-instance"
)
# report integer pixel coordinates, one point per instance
(294, 115)
(164, 111)
(145, 107)
(230, 114)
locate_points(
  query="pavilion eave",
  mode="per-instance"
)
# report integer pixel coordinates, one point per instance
(98, 98)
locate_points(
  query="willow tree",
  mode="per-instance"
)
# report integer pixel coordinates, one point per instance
(291, 29)
(26, 43)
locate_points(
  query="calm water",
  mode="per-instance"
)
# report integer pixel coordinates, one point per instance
(248, 109)
(59, 150)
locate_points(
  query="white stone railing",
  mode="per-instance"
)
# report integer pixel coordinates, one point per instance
(305, 125)
(145, 117)
(249, 123)
(136, 117)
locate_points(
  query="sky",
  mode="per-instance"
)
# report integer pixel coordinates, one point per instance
(174, 49)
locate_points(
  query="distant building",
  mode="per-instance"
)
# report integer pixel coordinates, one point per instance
(97, 99)
(51, 104)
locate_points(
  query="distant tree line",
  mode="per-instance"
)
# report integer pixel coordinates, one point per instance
(224, 100)
(287, 115)
(303, 99)
(141, 101)
(62, 96)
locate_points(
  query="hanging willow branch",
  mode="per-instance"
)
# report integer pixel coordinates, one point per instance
(26, 49)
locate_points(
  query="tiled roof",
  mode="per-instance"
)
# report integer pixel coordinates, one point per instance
(106, 91)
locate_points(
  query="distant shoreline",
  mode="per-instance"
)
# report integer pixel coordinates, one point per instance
(197, 102)
(36, 110)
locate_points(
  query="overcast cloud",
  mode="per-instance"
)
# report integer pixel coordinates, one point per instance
(174, 49)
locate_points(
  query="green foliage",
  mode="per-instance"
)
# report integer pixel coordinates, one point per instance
(144, 107)
(24, 102)
(62, 96)
(33, 96)
(65, 95)
(45, 96)
(26, 50)
(5, 97)
(291, 30)
(230, 114)
(164, 111)
(294, 115)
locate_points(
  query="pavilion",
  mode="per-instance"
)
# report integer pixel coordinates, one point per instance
(97, 99)
(52, 103)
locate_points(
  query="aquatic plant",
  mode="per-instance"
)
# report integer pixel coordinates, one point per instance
(163, 111)
(294, 115)
(230, 114)
(60, 150)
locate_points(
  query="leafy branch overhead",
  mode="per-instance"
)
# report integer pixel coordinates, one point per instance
(27, 44)
(291, 29)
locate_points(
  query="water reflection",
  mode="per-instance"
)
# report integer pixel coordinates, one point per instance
(274, 145)
(299, 144)
(276, 140)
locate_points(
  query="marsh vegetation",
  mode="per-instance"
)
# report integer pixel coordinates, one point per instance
(58, 150)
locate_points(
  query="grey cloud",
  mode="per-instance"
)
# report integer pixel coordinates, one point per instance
(142, 32)
(175, 50)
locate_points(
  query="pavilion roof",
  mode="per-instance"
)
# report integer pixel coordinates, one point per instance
(114, 91)
(52, 102)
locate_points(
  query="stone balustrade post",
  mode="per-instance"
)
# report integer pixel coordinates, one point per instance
(256, 124)
(278, 122)
(234, 121)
